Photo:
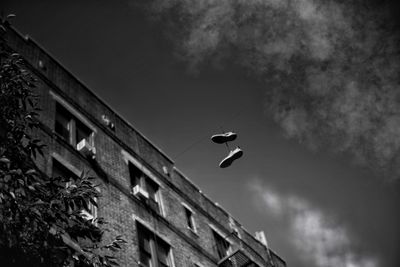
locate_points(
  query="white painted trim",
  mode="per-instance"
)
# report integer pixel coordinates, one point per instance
(171, 252)
(73, 111)
(162, 209)
(129, 158)
(186, 206)
(215, 229)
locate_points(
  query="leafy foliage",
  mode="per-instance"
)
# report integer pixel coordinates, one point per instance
(41, 222)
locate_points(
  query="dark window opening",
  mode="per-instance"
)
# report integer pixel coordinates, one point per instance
(138, 178)
(70, 128)
(63, 122)
(82, 132)
(59, 170)
(135, 174)
(153, 251)
(189, 219)
(221, 245)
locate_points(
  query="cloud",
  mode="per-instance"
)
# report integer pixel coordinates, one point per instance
(330, 67)
(274, 202)
(316, 236)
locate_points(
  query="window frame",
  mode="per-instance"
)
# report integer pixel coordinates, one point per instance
(74, 118)
(149, 176)
(154, 242)
(150, 186)
(75, 174)
(190, 218)
(215, 232)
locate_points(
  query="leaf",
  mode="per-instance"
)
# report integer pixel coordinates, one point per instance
(33, 153)
(7, 178)
(40, 150)
(39, 202)
(21, 191)
(85, 205)
(4, 160)
(93, 202)
(36, 211)
(109, 257)
(113, 262)
(30, 102)
(121, 241)
(112, 248)
(115, 244)
(31, 172)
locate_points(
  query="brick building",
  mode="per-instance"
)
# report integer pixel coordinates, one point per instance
(165, 218)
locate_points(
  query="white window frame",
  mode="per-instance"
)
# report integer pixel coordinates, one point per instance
(128, 158)
(186, 207)
(77, 115)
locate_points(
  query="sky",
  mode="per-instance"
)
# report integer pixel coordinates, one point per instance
(310, 87)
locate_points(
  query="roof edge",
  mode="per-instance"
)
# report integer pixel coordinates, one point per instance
(28, 38)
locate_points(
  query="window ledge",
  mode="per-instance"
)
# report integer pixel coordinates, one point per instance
(192, 231)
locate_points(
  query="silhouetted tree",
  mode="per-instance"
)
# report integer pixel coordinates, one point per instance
(41, 221)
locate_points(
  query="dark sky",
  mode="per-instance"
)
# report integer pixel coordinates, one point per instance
(316, 207)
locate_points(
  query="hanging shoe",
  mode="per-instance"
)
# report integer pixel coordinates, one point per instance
(223, 138)
(233, 155)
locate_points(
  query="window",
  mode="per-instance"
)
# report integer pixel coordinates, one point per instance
(59, 170)
(153, 251)
(138, 178)
(70, 128)
(189, 219)
(221, 245)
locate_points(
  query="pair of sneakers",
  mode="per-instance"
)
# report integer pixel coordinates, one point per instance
(233, 154)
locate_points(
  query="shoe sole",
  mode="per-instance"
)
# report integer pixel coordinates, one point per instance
(228, 161)
(223, 139)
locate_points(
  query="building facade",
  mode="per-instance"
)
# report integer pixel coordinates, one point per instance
(165, 218)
